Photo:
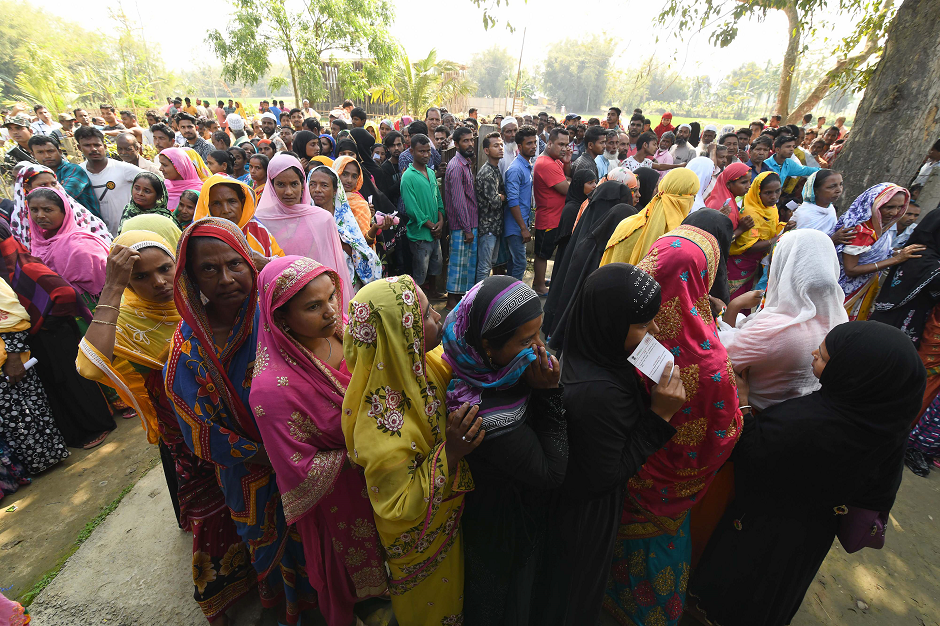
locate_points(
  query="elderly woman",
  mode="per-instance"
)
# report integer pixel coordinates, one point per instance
(222, 196)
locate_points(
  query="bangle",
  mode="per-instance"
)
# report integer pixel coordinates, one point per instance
(876, 266)
(103, 322)
(746, 406)
(107, 306)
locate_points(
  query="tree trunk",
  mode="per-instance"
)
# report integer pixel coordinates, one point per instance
(898, 119)
(788, 67)
(291, 63)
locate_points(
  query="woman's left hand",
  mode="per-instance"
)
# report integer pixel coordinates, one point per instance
(13, 368)
(544, 372)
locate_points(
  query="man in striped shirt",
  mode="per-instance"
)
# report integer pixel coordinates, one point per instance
(460, 201)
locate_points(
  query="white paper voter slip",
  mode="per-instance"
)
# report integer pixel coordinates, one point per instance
(651, 358)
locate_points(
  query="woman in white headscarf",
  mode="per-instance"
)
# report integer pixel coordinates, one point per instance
(703, 168)
(803, 303)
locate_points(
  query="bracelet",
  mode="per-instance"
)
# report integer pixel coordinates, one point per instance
(746, 406)
(103, 322)
(107, 306)
(876, 266)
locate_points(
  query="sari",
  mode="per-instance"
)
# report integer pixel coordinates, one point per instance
(298, 397)
(743, 263)
(73, 252)
(393, 423)
(358, 204)
(141, 346)
(869, 245)
(208, 387)
(651, 558)
(19, 218)
(363, 265)
(721, 197)
(190, 176)
(259, 238)
(635, 235)
(159, 207)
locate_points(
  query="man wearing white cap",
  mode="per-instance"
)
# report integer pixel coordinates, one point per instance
(508, 130)
(683, 152)
(236, 124)
(708, 138)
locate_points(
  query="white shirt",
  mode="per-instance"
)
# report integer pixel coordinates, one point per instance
(308, 112)
(201, 110)
(632, 164)
(113, 186)
(150, 166)
(924, 173)
(41, 128)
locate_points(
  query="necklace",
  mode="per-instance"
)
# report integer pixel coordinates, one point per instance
(330, 344)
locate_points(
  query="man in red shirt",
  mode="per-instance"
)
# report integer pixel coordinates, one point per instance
(550, 187)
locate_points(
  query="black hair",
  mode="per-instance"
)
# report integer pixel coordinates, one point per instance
(936, 145)
(771, 177)
(292, 111)
(821, 176)
(593, 133)
(758, 123)
(391, 137)
(42, 140)
(558, 130)
(46, 194)
(75, 111)
(107, 107)
(222, 136)
(190, 193)
(160, 128)
(794, 129)
(262, 158)
(37, 107)
(489, 139)
(726, 135)
(312, 124)
(223, 157)
(808, 118)
(233, 150)
(615, 109)
(129, 114)
(180, 117)
(647, 121)
(763, 140)
(418, 127)
(239, 190)
(472, 110)
(342, 125)
(645, 138)
(472, 121)
(442, 129)
(526, 130)
(782, 139)
(459, 133)
(359, 113)
(418, 139)
(593, 122)
(347, 103)
(771, 132)
(438, 109)
(88, 132)
(777, 117)
(743, 131)
(638, 117)
(835, 128)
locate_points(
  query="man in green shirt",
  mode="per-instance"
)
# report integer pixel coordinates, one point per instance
(425, 209)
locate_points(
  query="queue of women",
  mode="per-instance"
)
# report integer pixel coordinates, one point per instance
(329, 438)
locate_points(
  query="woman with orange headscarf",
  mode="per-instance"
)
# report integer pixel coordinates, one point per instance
(223, 196)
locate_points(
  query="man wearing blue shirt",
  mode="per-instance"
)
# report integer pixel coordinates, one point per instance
(519, 200)
(783, 163)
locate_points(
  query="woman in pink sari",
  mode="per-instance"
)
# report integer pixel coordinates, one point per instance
(301, 227)
(179, 174)
(300, 379)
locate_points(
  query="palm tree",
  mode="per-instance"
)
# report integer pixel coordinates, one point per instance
(416, 86)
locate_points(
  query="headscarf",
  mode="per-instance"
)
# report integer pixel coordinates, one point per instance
(364, 264)
(718, 226)
(310, 404)
(259, 238)
(635, 235)
(766, 218)
(19, 219)
(358, 204)
(709, 422)
(811, 215)
(159, 208)
(720, 194)
(74, 253)
(494, 307)
(606, 195)
(202, 170)
(306, 229)
(614, 297)
(580, 260)
(665, 125)
(332, 153)
(623, 175)
(364, 143)
(13, 316)
(163, 226)
(301, 139)
(803, 303)
(574, 199)
(910, 290)
(703, 168)
(189, 176)
(649, 181)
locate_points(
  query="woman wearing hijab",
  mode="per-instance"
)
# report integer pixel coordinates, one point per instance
(822, 188)
(80, 411)
(364, 142)
(635, 235)
(207, 379)
(28, 428)
(363, 197)
(733, 182)
(651, 564)
(223, 197)
(665, 125)
(491, 340)
(163, 226)
(583, 184)
(327, 146)
(126, 349)
(32, 176)
(803, 303)
(751, 246)
(297, 392)
(618, 187)
(850, 437)
(614, 425)
(148, 196)
(648, 180)
(306, 230)
(179, 174)
(869, 252)
(362, 262)
(394, 422)
(702, 167)
(305, 145)
(718, 226)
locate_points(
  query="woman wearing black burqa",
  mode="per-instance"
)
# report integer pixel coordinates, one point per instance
(797, 462)
(613, 426)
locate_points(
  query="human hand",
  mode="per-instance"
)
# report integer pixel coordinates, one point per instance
(749, 300)
(726, 207)
(463, 434)
(468, 237)
(746, 223)
(526, 235)
(544, 372)
(843, 236)
(120, 266)
(910, 252)
(259, 260)
(13, 368)
(669, 395)
(743, 387)
(790, 226)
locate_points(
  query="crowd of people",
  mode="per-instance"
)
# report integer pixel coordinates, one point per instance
(259, 293)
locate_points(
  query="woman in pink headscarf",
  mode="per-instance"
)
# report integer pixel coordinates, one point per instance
(300, 227)
(179, 174)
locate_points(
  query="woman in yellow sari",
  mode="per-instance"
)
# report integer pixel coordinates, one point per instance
(747, 250)
(394, 423)
(125, 348)
(202, 170)
(223, 196)
(636, 234)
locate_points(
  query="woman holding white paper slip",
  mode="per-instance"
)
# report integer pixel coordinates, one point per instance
(651, 557)
(613, 426)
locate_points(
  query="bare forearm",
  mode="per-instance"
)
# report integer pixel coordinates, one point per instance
(102, 336)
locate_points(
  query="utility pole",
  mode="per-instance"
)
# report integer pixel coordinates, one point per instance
(512, 110)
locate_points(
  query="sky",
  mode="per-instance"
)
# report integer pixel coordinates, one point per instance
(545, 21)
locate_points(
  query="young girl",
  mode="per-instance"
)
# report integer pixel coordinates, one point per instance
(186, 208)
(258, 171)
(240, 162)
(148, 195)
(221, 162)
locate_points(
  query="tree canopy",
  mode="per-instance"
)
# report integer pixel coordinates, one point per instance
(490, 70)
(415, 86)
(576, 72)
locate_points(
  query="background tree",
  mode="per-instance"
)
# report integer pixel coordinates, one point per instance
(258, 28)
(490, 70)
(414, 87)
(897, 120)
(576, 72)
